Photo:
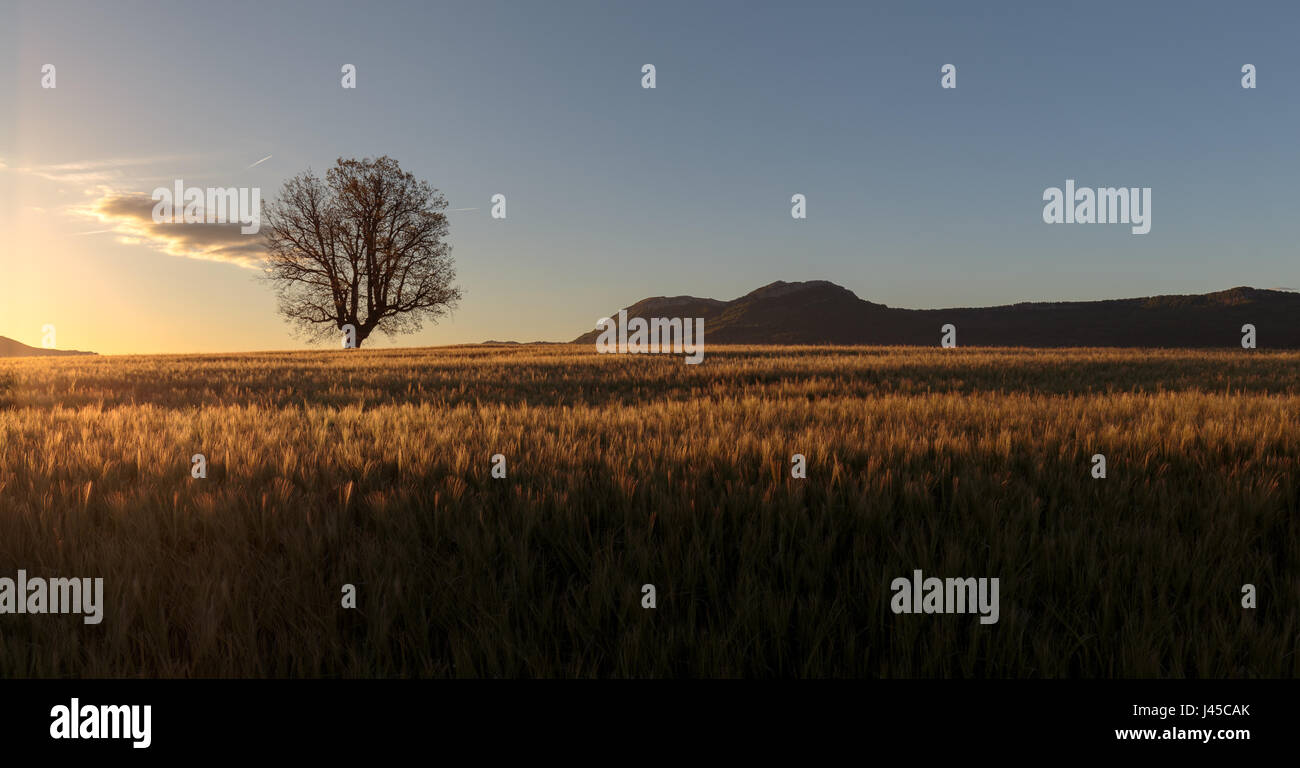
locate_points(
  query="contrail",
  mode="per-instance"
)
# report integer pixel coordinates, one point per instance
(259, 162)
(453, 210)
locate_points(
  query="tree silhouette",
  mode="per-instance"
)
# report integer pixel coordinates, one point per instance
(364, 247)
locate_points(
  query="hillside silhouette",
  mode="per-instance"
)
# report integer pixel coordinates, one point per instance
(11, 348)
(821, 312)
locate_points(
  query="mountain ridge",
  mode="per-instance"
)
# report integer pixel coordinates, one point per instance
(822, 312)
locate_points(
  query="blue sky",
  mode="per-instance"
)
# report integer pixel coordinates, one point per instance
(917, 196)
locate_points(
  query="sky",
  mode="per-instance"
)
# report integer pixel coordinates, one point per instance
(917, 196)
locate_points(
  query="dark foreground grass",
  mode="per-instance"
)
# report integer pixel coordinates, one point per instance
(372, 468)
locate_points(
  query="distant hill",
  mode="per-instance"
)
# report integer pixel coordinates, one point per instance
(11, 348)
(821, 312)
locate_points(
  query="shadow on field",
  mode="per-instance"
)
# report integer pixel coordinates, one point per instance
(375, 470)
(568, 375)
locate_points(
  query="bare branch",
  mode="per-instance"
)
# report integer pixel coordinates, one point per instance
(366, 246)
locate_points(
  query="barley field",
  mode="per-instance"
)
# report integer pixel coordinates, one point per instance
(373, 468)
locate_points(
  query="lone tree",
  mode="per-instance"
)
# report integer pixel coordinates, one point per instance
(365, 247)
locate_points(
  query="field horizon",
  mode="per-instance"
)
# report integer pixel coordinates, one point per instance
(822, 313)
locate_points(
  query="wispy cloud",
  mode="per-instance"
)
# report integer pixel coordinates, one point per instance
(118, 171)
(130, 216)
(115, 170)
